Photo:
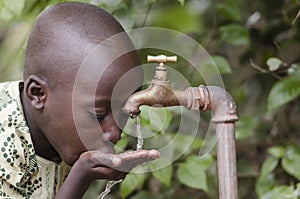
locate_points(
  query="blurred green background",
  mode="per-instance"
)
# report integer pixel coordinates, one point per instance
(256, 46)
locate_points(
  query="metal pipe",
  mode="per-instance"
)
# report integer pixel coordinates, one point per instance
(224, 116)
(226, 161)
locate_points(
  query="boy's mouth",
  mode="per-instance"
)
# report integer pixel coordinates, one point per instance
(112, 137)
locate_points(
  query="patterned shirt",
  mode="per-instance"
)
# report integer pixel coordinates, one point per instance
(23, 174)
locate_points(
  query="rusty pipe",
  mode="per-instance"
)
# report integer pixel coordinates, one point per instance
(224, 116)
(226, 155)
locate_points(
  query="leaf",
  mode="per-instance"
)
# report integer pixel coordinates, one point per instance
(280, 192)
(284, 91)
(185, 143)
(235, 34)
(230, 10)
(291, 161)
(125, 17)
(172, 18)
(264, 184)
(164, 175)
(131, 182)
(274, 63)
(268, 166)
(294, 69)
(181, 2)
(266, 179)
(245, 128)
(192, 172)
(216, 61)
(142, 195)
(158, 119)
(277, 151)
(11, 9)
(297, 191)
(122, 143)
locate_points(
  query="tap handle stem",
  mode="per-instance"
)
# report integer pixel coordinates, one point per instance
(161, 58)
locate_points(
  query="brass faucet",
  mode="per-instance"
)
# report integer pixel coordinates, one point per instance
(216, 99)
(160, 92)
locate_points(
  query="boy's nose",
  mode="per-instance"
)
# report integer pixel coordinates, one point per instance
(113, 134)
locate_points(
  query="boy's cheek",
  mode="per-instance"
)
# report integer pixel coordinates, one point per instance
(121, 121)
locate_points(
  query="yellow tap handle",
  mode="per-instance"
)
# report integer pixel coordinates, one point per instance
(161, 58)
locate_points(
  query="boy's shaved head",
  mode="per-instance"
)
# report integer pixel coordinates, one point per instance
(66, 39)
(55, 49)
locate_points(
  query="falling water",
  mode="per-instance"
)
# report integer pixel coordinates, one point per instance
(108, 187)
(139, 146)
(140, 140)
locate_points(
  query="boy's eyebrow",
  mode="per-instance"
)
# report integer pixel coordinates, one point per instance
(102, 99)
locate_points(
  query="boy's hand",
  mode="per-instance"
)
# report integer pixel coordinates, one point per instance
(93, 165)
(98, 165)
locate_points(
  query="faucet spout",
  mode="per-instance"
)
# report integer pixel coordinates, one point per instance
(158, 94)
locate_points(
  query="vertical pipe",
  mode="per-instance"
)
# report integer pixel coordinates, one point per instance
(226, 161)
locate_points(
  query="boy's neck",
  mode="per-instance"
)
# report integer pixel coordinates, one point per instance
(41, 144)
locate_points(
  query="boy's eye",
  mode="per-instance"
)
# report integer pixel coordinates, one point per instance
(101, 117)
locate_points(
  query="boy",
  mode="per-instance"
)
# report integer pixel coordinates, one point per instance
(39, 136)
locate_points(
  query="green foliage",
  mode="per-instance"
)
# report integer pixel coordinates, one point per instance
(181, 2)
(156, 119)
(163, 174)
(216, 63)
(284, 91)
(281, 192)
(131, 182)
(291, 161)
(245, 128)
(11, 8)
(230, 9)
(234, 34)
(266, 186)
(277, 151)
(176, 18)
(274, 63)
(266, 180)
(187, 175)
(255, 47)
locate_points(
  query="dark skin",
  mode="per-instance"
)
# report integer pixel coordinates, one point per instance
(87, 141)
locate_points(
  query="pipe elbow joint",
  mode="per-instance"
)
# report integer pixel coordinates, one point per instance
(222, 105)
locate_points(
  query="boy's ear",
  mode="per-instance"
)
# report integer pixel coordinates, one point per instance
(37, 91)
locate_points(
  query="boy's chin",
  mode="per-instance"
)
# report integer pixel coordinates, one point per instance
(108, 149)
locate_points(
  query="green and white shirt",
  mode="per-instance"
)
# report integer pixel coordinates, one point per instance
(23, 174)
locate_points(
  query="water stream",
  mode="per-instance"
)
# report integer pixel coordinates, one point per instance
(108, 187)
(140, 140)
(139, 146)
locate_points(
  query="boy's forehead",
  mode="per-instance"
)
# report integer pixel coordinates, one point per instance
(100, 76)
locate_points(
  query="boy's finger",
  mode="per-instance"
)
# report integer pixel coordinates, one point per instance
(134, 158)
(108, 160)
(139, 155)
(125, 161)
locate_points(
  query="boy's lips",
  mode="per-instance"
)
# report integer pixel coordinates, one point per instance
(112, 137)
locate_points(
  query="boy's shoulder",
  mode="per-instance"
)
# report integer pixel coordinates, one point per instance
(9, 91)
(11, 113)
